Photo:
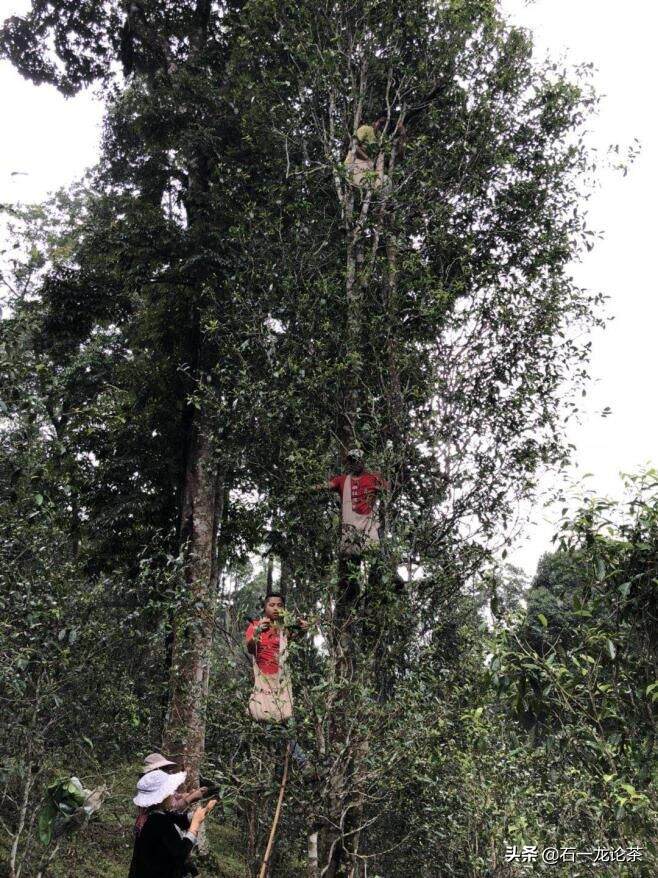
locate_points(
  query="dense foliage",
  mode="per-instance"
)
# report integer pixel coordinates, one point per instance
(192, 337)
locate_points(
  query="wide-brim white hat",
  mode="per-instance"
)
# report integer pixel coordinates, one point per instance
(156, 760)
(156, 786)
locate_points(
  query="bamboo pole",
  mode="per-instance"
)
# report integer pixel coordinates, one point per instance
(277, 814)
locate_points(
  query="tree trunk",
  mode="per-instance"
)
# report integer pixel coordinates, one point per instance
(252, 841)
(346, 794)
(193, 629)
(353, 299)
(393, 385)
(202, 498)
(286, 576)
(313, 861)
(342, 646)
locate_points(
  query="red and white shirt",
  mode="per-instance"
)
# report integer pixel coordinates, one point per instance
(364, 490)
(267, 647)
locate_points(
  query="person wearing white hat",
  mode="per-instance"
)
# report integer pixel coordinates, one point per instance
(181, 801)
(163, 846)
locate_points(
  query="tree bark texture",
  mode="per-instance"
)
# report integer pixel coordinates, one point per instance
(193, 627)
(202, 500)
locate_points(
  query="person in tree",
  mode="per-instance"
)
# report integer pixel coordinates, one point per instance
(180, 801)
(365, 158)
(164, 843)
(271, 698)
(358, 490)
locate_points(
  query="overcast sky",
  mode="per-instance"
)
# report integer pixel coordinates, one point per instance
(48, 141)
(619, 39)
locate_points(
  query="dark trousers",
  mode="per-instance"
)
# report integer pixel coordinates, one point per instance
(372, 613)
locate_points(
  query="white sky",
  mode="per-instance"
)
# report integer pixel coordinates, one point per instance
(620, 40)
(50, 140)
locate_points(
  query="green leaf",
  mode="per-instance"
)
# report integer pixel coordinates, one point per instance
(45, 822)
(542, 618)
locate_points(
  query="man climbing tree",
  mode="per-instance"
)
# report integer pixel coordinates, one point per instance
(358, 490)
(271, 698)
(365, 159)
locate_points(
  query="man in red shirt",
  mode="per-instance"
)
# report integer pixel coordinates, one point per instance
(358, 491)
(271, 699)
(264, 638)
(364, 486)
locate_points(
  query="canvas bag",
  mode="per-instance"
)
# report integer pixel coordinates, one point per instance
(271, 697)
(357, 531)
(360, 171)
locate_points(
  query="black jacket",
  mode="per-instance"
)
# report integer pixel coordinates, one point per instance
(160, 850)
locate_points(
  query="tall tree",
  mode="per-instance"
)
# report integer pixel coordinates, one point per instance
(430, 308)
(164, 144)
